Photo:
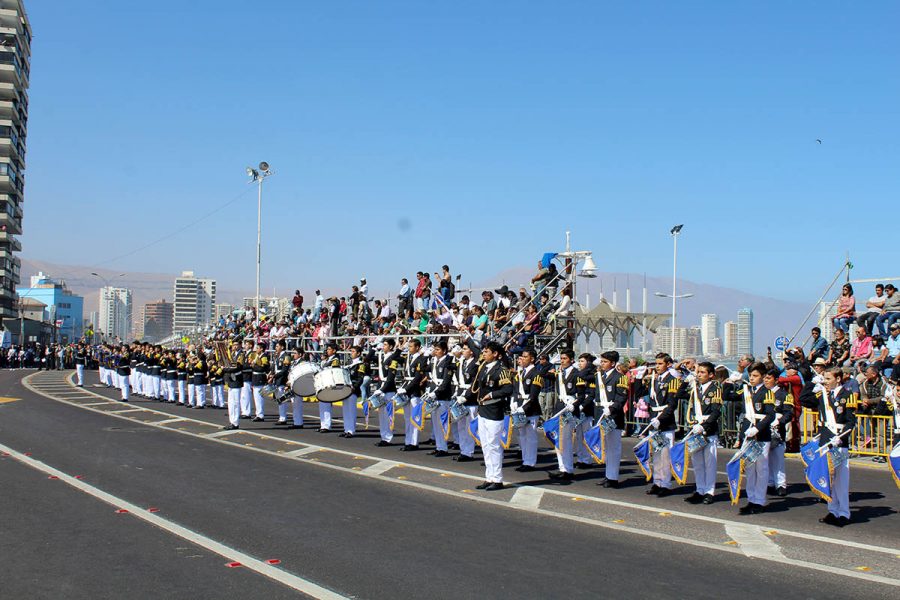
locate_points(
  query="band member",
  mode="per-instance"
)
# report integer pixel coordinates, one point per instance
(247, 359)
(281, 369)
(529, 384)
(612, 395)
(759, 414)
(156, 375)
(664, 396)
(836, 423)
(493, 387)
(234, 381)
(568, 407)
(259, 375)
(171, 364)
(415, 374)
(216, 381)
(296, 401)
(388, 370)
(80, 363)
(181, 377)
(190, 361)
(331, 360)
(199, 373)
(465, 372)
(358, 369)
(704, 408)
(784, 411)
(587, 372)
(123, 371)
(440, 384)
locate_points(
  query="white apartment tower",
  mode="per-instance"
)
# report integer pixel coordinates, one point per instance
(731, 337)
(745, 331)
(709, 330)
(193, 302)
(115, 313)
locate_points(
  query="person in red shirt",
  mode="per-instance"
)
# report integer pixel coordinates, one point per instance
(793, 383)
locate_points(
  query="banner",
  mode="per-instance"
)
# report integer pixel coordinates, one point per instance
(642, 454)
(679, 461)
(734, 471)
(551, 430)
(594, 442)
(818, 476)
(894, 462)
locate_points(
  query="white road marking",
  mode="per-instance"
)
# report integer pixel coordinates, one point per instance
(753, 542)
(303, 451)
(167, 421)
(261, 567)
(382, 466)
(127, 410)
(215, 435)
(527, 497)
(92, 403)
(606, 501)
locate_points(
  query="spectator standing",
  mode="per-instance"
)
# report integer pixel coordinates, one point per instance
(404, 298)
(418, 303)
(447, 289)
(297, 300)
(846, 309)
(874, 305)
(317, 307)
(890, 314)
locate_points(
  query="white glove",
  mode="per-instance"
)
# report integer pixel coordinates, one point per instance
(751, 432)
(654, 423)
(520, 410)
(639, 372)
(460, 399)
(735, 376)
(697, 429)
(606, 413)
(836, 442)
(690, 378)
(401, 391)
(570, 406)
(818, 379)
(377, 394)
(429, 396)
(514, 406)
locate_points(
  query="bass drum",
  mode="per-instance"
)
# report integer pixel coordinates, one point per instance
(333, 384)
(301, 379)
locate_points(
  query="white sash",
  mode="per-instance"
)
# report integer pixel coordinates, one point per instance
(604, 399)
(749, 411)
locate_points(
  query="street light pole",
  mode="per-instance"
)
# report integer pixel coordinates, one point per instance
(257, 176)
(675, 231)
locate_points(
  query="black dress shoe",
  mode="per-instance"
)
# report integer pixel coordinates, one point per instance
(829, 519)
(708, 499)
(258, 419)
(654, 489)
(229, 427)
(452, 446)
(281, 422)
(663, 492)
(383, 444)
(694, 498)
(432, 452)
(525, 469)
(781, 492)
(483, 486)
(561, 475)
(408, 448)
(842, 521)
(440, 454)
(348, 435)
(323, 430)
(494, 487)
(463, 458)
(429, 442)
(609, 483)
(296, 427)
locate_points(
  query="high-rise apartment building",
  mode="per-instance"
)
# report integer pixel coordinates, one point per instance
(194, 301)
(15, 62)
(731, 338)
(745, 331)
(116, 312)
(709, 330)
(157, 318)
(827, 312)
(65, 308)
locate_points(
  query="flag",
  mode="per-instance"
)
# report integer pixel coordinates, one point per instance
(551, 430)
(642, 454)
(506, 432)
(417, 415)
(473, 430)
(389, 409)
(365, 410)
(894, 463)
(734, 470)
(445, 423)
(679, 461)
(594, 442)
(438, 303)
(808, 451)
(818, 476)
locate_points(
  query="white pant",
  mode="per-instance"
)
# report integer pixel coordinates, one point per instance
(246, 399)
(156, 386)
(437, 426)
(170, 388)
(234, 406)
(564, 453)
(117, 380)
(580, 449)
(466, 442)
(218, 392)
(384, 421)
(125, 385)
(662, 463)
(79, 374)
(840, 488)
(192, 393)
(297, 403)
(528, 441)
(613, 453)
(137, 382)
(758, 476)
(325, 415)
(777, 476)
(259, 401)
(349, 409)
(705, 467)
(489, 433)
(200, 395)
(411, 437)
(181, 391)
(282, 407)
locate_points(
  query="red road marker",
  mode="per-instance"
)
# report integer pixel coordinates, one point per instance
(79, 476)
(233, 565)
(273, 561)
(26, 453)
(52, 477)
(6, 454)
(153, 509)
(121, 511)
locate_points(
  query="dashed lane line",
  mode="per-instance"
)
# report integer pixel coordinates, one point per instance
(289, 579)
(528, 497)
(302, 451)
(753, 542)
(380, 467)
(606, 501)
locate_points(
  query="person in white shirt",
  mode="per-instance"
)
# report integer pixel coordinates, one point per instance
(874, 304)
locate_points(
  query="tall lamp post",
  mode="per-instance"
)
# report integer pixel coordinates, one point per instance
(674, 296)
(257, 176)
(107, 285)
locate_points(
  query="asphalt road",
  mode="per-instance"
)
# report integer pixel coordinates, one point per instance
(363, 527)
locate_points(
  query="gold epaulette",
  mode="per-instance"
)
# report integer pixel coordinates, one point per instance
(537, 380)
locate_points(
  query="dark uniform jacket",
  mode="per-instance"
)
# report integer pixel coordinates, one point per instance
(390, 367)
(234, 375)
(839, 401)
(441, 377)
(665, 391)
(466, 370)
(259, 370)
(282, 366)
(615, 387)
(358, 370)
(764, 406)
(494, 381)
(123, 365)
(528, 386)
(199, 371)
(710, 407)
(416, 374)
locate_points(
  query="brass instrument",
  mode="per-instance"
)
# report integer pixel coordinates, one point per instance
(223, 354)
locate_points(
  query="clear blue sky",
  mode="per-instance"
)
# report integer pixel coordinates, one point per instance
(490, 128)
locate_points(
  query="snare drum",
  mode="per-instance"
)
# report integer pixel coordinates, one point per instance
(696, 442)
(658, 441)
(519, 420)
(333, 384)
(752, 452)
(401, 400)
(302, 378)
(377, 401)
(458, 411)
(838, 458)
(607, 424)
(568, 419)
(431, 405)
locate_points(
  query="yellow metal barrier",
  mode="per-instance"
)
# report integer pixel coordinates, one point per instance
(874, 435)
